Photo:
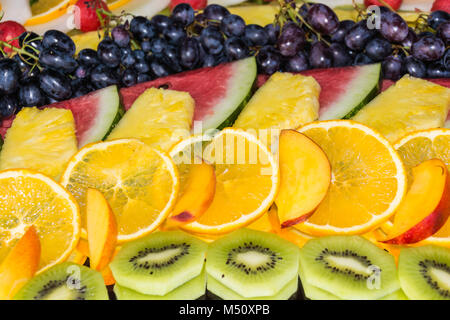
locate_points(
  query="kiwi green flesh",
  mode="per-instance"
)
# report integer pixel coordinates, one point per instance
(349, 267)
(191, 290)
(221, 291)
(424, 272)
(65, 281)
(252, 263)
(159, 263)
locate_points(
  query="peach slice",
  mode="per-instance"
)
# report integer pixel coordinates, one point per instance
(426, 206)
(305, 176)
(20, 264)
(197, 196)
(101, 230)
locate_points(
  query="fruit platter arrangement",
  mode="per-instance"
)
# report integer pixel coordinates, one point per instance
(234, 150)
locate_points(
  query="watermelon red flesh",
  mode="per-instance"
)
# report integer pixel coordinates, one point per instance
(219, 92)
(86, 112)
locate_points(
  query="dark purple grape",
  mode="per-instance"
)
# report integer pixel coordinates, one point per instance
(189, 53)
(31, 39)
(320, 56)
(292, 39)
(82, 71)
(362, 59)
(183, 14)
(410, 39)
(212, 40)
(436, 18)
(341, 31)
(109, 53)
(322, 18)
(446, 59)
(273, 32)
(139, 55)
(236, 48)
(415, 68)
(8, 106)
(142, 66)
(158, 69)
(142, 28)
(269, 60)
(215, 12)
(83, 88)
(129, 78)
(174, 34)
(30, 95)
(377, 49)
(393, 27)
(146, 46)
(121, 36)
(127, 58)
(55, 85)
(55, 38)
(393, 67)
(103, 76)
(9, 76)
(158, 45)
(428, 48)
(171, 59)
(437, 70)
(209, 61)
(444, 32)
(341, 58)
(297, 63)
(23, 66)
(255, 35)
(303, 11)
(88, 57)
(233, 25)
(358, 36)
(57, 59)
(425, 34)
(143, 77)
(161, 22)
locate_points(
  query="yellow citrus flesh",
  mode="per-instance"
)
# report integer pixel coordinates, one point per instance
(139, 182)
(368, 179)
(421, 146)
(246, 179)
(30, 198)
(45, 11)
(87, 40)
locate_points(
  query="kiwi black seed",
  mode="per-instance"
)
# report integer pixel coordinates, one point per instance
(65, 281)
(348, 267)
(159, 262)
(424, 272)
(252, 264)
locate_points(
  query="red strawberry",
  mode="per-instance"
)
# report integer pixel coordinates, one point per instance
(10, 30)
(86, 18)
(395, 4)
(196, 4)
(442, 5)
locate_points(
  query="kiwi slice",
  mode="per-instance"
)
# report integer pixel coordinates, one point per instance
(397, 295)
(424, 272)
(190, 290)
(252, 263)
(159, 262)
(220, 291)
(349, 267)
(65, 281)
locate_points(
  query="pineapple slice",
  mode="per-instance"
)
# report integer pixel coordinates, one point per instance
(411, 104)
(285, 101)
(42, 140)
(158, 117)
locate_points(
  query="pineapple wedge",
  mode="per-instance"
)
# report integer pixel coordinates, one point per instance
(285, 101)
(42, 140)
(158, 117)
(411, 104)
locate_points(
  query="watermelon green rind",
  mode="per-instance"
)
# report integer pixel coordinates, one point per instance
(239, 90)
(360, 90)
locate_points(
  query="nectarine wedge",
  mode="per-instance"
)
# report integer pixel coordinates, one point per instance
(426, 206)
(197, 195)
(20, 264)
(101, 229)
(305, 176)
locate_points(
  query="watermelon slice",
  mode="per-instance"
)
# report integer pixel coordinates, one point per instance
(344, 90)
(95, 114)
(219, 92)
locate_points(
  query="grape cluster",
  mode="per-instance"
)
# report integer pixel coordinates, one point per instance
(45, 69)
